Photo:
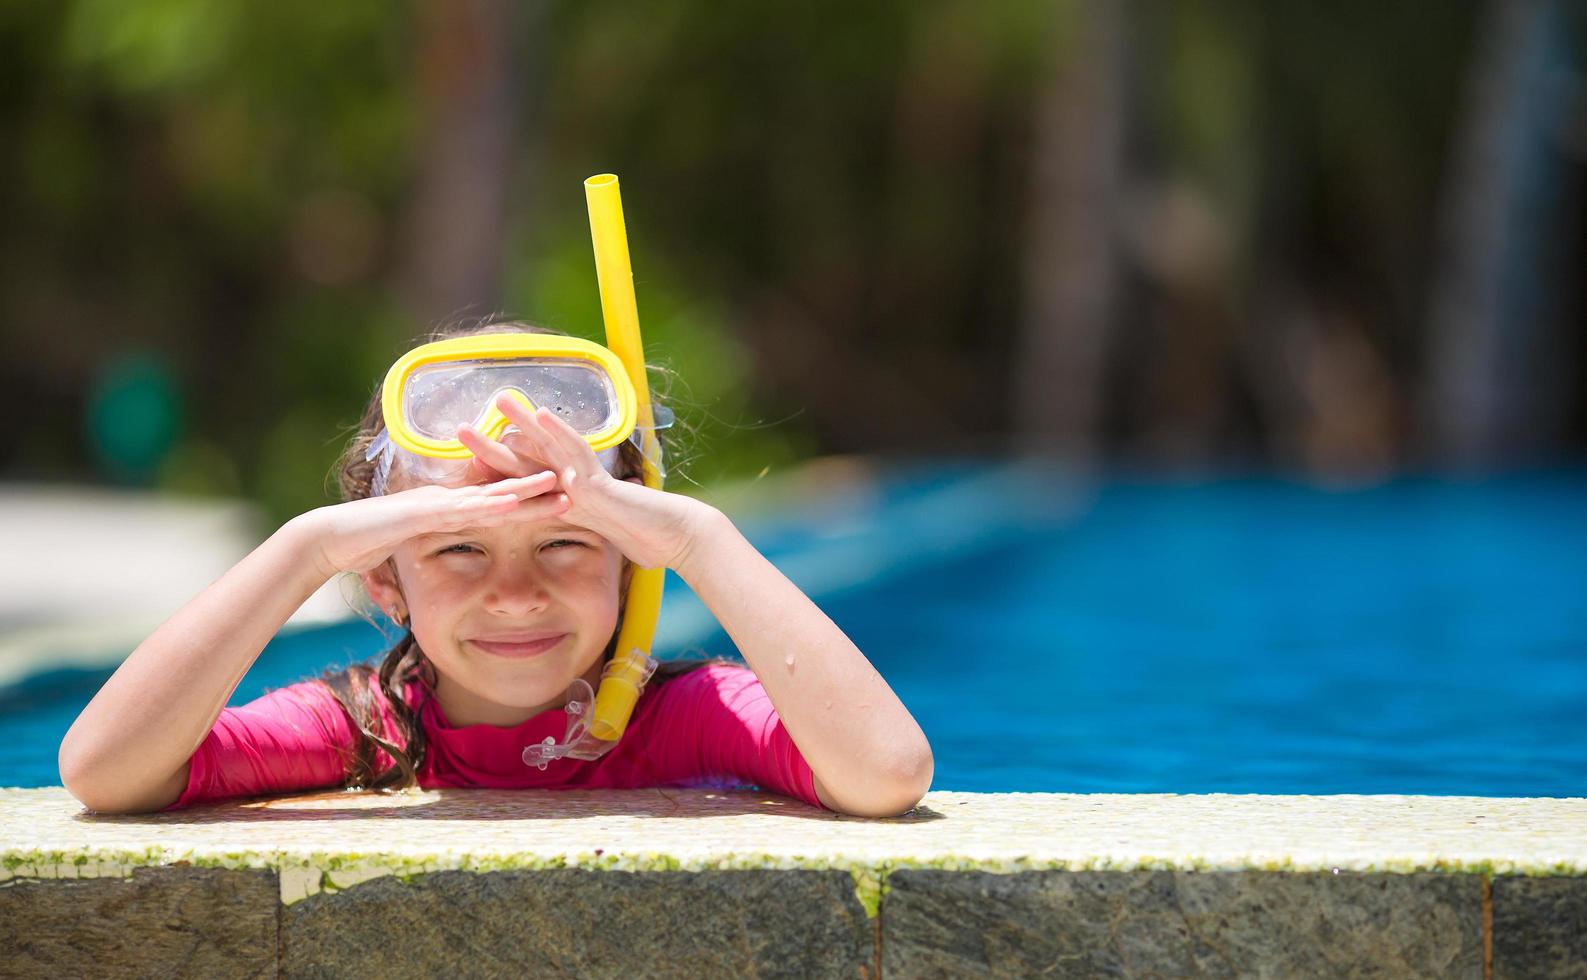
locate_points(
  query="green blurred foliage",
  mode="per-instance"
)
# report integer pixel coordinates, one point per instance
(226, 186)
(828, 208)
(163, 156)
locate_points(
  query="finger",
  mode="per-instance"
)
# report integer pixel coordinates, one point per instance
(537, 509)
(537, 442)
(516, 411)
(491, 455)
(572, 447)
(524, 487)
(561, 433)
(457, 510)
(527, 511)
(479, 471)
(519, 415)
(491, 510)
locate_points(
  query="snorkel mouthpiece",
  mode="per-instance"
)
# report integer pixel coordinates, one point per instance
(581, 740)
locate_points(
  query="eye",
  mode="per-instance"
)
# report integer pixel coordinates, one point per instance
(564, 543)
(457, 549)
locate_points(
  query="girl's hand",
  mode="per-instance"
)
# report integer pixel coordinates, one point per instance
(651, 527)
(358, 535)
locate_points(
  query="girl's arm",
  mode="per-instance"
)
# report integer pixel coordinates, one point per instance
(869, 756)
(129, 749)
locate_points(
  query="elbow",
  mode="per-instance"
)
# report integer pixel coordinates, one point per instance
(84, 790)
(75, 775)
(912, 783)
(96, 800)
(102, 795)
(898, 788)
(80, 782)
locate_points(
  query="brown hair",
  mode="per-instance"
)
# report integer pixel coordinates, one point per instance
(405, 661)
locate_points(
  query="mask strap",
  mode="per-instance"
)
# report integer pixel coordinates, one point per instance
(663, 418)
(381, 446)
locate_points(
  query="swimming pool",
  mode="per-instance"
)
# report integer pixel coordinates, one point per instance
(1224, 635)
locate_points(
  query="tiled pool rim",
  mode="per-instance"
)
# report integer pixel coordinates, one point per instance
(695, 882)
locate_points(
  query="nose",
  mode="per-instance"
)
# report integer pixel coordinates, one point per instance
(514, 588)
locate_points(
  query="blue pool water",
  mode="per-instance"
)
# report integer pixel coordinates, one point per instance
(1229, 635)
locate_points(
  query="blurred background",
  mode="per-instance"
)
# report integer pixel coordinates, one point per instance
(1339, 241)
(1335, 245)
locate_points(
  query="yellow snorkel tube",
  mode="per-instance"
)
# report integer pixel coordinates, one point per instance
(631, 664)
(594, 728)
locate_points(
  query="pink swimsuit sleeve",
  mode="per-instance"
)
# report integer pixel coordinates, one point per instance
(297, 737)
(734, 731)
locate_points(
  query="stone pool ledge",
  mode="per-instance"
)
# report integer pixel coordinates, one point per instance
(694, 882)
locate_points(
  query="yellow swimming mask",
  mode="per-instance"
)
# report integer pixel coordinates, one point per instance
(433, 390)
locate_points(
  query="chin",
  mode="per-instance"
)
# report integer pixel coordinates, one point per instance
(524, 692)
(527, 687)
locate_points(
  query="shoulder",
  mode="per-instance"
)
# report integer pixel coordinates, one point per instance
(707, 680)
(343, 700)
(294, 718)
(306, 695)
(717, 720)
(714, 689)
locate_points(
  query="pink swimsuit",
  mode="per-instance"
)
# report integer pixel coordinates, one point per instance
(713, 726)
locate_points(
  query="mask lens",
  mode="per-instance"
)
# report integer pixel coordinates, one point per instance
(440, 397)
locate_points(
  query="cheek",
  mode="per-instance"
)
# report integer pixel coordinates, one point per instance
(433, 593)
(614, 588)
(596, 583)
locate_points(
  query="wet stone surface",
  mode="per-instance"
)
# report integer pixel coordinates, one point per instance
(575, 923)
(646, 830)
(689, 882)
(160, 922)
(1164, 923)
(1539, 928)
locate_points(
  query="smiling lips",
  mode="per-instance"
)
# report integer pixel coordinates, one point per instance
(518, 645)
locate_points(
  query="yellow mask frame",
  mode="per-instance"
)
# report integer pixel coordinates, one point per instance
(515, 358)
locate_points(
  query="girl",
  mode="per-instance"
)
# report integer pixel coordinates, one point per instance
(509, 574)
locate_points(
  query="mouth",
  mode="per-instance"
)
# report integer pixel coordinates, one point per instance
(518, 645)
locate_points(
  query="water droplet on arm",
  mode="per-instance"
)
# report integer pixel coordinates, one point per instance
(789, 661)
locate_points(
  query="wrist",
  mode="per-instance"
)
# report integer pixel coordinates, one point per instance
(705, 526)
(304, 536)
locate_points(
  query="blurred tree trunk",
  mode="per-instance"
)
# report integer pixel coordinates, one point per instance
(1072, 268)
(1498, 366)
(468, 102)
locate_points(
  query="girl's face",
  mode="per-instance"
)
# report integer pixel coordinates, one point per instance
(509, 615)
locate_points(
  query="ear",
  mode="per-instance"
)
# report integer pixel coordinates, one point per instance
(381, 584)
